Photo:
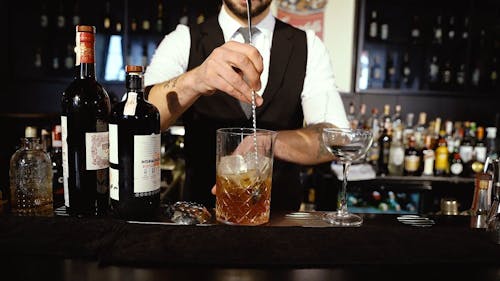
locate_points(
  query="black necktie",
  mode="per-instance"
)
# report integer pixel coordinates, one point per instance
(247, 108)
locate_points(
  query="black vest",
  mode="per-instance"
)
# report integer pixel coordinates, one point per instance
(281, 110)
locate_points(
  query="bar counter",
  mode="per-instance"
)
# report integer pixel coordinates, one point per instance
(66, 248)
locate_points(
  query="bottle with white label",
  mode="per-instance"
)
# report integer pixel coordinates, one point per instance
(84, 124)
(134, 152)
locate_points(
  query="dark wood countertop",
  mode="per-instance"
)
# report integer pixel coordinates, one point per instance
(280, 249)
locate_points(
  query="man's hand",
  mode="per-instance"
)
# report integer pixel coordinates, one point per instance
(233, 68)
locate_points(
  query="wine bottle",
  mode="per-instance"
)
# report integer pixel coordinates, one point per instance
(84, 122)
(134, 151)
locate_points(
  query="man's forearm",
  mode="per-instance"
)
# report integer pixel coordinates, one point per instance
(172, 98)
(303, 146)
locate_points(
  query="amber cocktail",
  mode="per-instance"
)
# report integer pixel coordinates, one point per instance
(244, 175)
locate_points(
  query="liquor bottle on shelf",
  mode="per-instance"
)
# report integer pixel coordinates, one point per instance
(56, 61)
(361, 117)
(493, 74)
(428, 157)
(420, 130)
(44, 17)
(479, 72)
(384, 145)
(38, 61)
(134, 152)
(450, 140)
(480, 151)
(406, 73)
(415, 30)
(433, 72)
(107, 22)
(46, 140)
(437, 31)
(351, 116)
(133, 25)
(442, 164)
(159, 17)
(465, 31)
(384, 31)
(376, 79)
(412, 159)
(75, 19)
(408, 129)
(435, 133)
(397, 119)
(447, 76)
(145, 25)
(391, 79)
(69, 62)
(460, 76)
(456, 163)
(466, 150)
(84, 124)
(60, 19)
(386, 119)
(373, 25)
(396, 154)
(364, 75)
(451, 30)
(374, 124)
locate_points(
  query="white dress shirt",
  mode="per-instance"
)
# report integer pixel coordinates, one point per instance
(321, 101)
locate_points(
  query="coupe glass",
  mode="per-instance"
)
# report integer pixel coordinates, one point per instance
(348, 145)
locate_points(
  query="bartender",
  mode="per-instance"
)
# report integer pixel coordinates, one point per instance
(205, 74)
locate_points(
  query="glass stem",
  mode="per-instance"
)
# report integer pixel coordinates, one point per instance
(342, 206)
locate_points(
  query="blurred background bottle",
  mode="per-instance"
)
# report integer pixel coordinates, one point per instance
(31, 180)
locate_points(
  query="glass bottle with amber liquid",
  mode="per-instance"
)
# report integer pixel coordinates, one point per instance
(134, 152)
(84, 123)
(442, 164)
(412, 158)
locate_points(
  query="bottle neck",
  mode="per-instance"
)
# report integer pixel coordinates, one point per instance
(139, 93)
(134, 83)
(85, 71)
(30, 143)
(85, 55)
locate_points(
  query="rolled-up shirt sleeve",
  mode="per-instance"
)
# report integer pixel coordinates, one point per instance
(170, 58)
(321, 100)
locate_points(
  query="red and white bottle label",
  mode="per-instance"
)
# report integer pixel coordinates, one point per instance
(97, 150)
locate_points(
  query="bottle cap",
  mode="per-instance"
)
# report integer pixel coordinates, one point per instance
(134, 68)
(85, 28)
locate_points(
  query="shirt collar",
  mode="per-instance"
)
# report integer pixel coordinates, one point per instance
(230, 26)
